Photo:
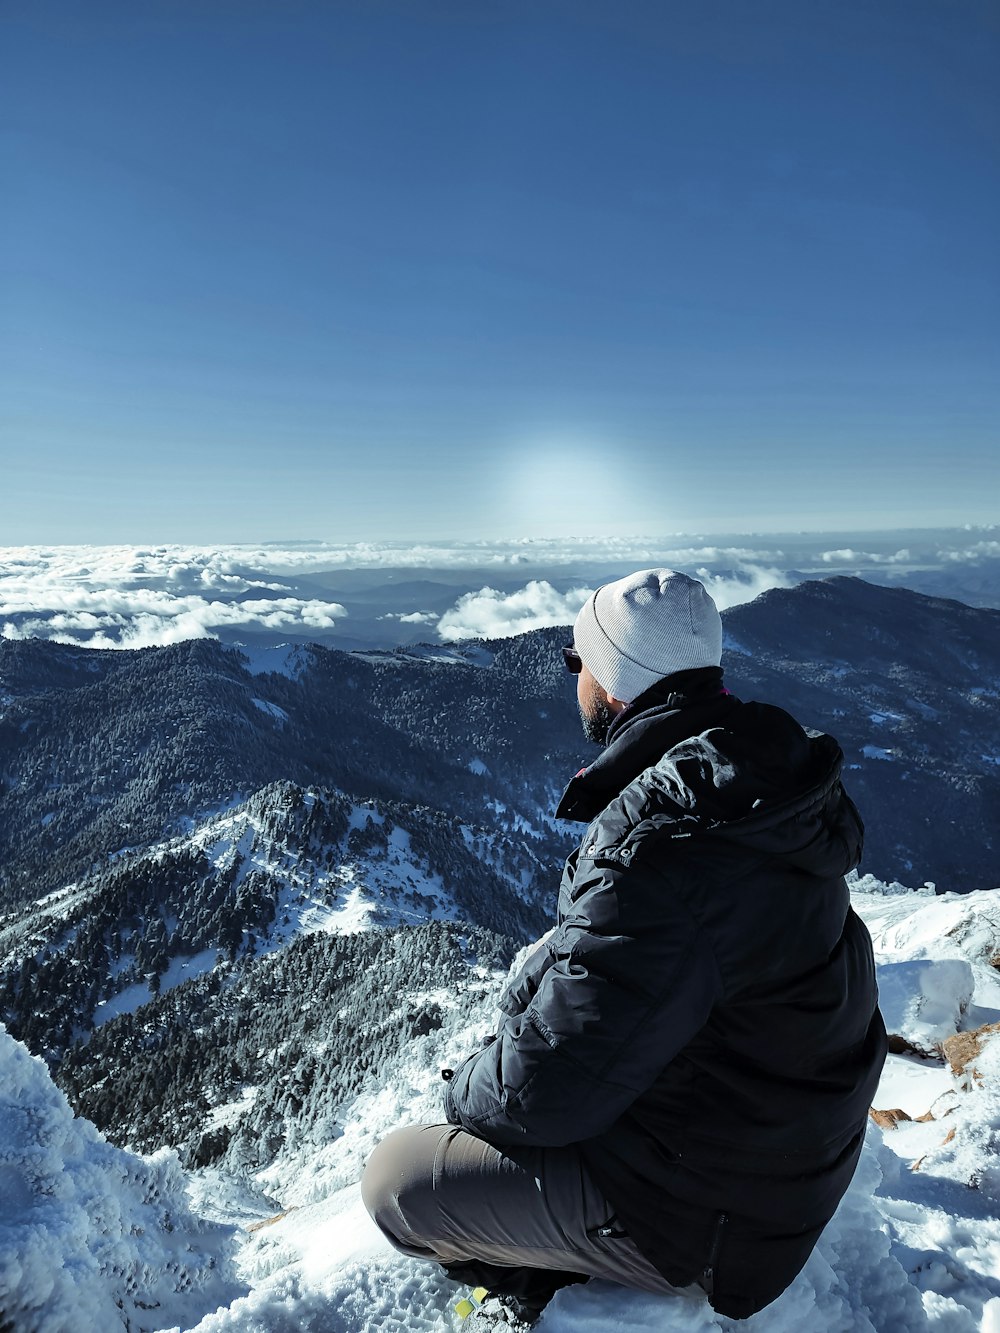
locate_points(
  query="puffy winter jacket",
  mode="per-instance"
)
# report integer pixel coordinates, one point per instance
(703, 1021)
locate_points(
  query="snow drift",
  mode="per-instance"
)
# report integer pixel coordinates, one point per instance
(93, 1239)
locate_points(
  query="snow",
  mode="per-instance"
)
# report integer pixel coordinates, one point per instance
(912, 1084)
(127, 1001)
(180, 969)
(732, 645)
(876, 752)
(351, 915)
(914, 1246)
(272, 710)
(921, 924)
(186, 967)
(227, 1113)
(353, 894)
(923, 1000)
(908, 1250)
(462, 655)
(284, 659)
(880, 719)
(93, 1239)
(325, 1266)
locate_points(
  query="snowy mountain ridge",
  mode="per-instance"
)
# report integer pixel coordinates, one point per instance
(247, 881)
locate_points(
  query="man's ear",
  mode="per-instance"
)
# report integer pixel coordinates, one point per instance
(616, 705)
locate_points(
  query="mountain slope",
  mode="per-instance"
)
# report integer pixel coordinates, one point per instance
(910, 686)
(105, 750)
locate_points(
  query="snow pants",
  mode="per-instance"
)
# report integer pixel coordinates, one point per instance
(437, 1192)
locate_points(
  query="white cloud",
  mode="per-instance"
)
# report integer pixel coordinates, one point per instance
(844, 556)
(119, 598)
(489, 614)
(136, 596)
(237, 569)
(410, 618)
(743, 586)
(986, 550)
(847, 556)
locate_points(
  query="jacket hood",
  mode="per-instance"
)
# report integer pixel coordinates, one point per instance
(722, 784)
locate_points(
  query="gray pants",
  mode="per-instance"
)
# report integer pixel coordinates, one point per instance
(437, 1192)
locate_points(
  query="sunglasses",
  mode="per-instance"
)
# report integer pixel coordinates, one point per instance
(573, 660)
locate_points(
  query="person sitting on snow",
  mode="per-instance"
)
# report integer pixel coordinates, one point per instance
(678, 1086)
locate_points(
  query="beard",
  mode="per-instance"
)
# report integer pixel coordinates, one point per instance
(596, 720)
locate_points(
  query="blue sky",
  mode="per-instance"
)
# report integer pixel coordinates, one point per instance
(444, 270)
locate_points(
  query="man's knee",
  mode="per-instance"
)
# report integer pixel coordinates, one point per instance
(385, 1169)
(398, 1179)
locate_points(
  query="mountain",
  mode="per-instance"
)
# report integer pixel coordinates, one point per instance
(206, 861)
(103, 750)
(909, 685)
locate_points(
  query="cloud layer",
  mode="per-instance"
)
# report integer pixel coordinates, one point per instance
(122, 597)
(742, 586)
(133, 597)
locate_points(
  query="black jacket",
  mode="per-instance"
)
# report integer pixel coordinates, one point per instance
(703, 1021)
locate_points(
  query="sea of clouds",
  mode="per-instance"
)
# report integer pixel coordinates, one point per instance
(374, 594)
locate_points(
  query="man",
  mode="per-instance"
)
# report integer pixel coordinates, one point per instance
(678, 1087)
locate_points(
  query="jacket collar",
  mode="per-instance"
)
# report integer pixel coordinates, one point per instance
(642, 734)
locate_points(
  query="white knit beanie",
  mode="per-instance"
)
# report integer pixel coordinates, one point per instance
(633, 632)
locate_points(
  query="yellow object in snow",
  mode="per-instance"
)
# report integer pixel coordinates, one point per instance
(465, 1307)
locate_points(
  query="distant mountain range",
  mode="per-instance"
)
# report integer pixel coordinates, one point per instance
(102, 750)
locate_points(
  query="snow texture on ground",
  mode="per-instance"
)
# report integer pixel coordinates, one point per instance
(93, 1239)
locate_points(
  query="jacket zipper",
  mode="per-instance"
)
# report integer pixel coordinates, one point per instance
(611, 1229)
(708, 1273)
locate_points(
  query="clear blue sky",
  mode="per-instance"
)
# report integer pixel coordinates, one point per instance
(425, 269)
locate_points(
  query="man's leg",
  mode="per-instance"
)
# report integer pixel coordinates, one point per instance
(437, 1192)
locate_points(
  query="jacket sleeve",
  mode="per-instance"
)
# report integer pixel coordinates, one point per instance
(631, 979)
(521, 989)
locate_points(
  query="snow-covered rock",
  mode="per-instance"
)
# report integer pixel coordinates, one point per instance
(93, 1239)
(923, 1000)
